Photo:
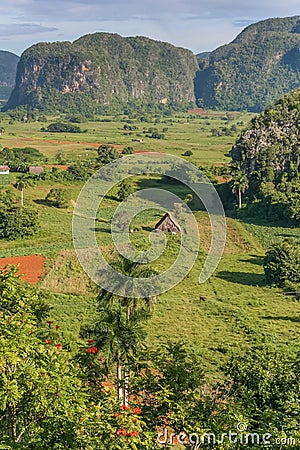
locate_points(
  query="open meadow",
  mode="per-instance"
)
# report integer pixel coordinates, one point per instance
(233, 309)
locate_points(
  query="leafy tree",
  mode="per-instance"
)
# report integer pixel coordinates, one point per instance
(169, 386)
(188, 199)
(127, 150)
(282, 263)
(19, 159)
(264, 389)
(57, 197)
(187, 153)
(41, 395)
(107, 154)
(125, 190)
(59, 127)
(80, 171)
(18, 222)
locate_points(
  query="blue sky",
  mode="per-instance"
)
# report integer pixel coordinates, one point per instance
(195, 24)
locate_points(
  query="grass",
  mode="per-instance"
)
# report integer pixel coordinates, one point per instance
(230, 311)
(185, 132)
(269, 234)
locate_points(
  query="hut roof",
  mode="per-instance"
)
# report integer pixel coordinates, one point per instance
(36, 169)
(167, 223)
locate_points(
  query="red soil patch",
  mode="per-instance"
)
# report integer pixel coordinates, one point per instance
(203, 112)
(31, 268)
(221, 179)
(56, 166)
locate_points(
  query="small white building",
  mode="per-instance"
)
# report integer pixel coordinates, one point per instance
(4, 170)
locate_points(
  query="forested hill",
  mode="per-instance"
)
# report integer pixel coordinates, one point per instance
(254, 70)
(266, 161)
(103, 69)
(8, 68)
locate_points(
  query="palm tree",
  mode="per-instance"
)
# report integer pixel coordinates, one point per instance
(119, 339)
(119, 331)
(21, 184)
(239, 182)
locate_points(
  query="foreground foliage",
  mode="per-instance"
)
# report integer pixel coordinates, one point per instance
(51, 398)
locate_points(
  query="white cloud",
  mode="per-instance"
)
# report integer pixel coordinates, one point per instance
(20, 29)
(195, 24)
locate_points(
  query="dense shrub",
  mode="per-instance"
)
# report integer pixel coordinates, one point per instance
(282, 263)
(18, 222)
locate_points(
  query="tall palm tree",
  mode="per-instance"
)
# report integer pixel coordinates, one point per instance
(119, 339)
(119, 331)
(22, 184)
(239, 182)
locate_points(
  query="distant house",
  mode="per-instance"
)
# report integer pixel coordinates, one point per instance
(4, 170)
(168, 224)
(36, 170)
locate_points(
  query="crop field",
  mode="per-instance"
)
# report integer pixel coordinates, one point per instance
(230, 311)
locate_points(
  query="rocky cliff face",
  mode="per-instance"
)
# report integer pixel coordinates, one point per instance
(254, 70)
(103, 68)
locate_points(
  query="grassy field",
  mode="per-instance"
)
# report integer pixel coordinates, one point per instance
(235, 308)
(184, 132)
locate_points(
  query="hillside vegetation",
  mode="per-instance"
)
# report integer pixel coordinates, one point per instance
(268, 155)
(103, 69)
(8, 70)
(251, 72)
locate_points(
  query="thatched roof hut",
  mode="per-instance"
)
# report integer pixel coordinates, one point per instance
(168, 224)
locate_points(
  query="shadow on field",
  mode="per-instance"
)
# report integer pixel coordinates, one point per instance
(290, 319)
(254, 259)
(100, 230)
(245, 278)
(42, 202)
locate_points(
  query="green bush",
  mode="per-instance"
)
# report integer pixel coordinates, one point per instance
(282, 263)
(59, 127)
(57, 197)
(18, 222)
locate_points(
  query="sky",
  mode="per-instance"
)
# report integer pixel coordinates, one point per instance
(200, 25)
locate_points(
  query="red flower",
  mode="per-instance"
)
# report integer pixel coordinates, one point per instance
(49, 322)
(137, 410)
(90, 341)
(93, 350)
(122, 432)
(48, 341)
(58, 346)
(57, 327)
(116, 414)
(134, 434)
(125, 407)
